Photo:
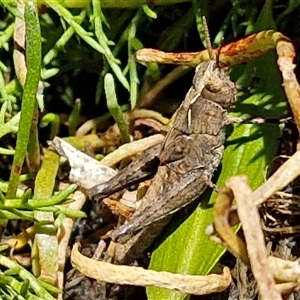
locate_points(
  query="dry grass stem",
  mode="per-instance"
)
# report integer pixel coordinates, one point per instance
(249, 216)
(285, 174)
(64, 234)
(187, 284)
(132, 148)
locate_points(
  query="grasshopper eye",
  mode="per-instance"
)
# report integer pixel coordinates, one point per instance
(213, 85)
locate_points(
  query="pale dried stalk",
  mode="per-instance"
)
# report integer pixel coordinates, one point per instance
(249, 216)
(132, 148)
(285, 174)
(63, 236)
(286, 54)
(186, 284)
(159, 86)
(231, 54)
(92, 124)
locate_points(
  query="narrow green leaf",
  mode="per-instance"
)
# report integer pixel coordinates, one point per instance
(147, 10)
(33, 62)
(5, 151)
(44, 254)
(16, 214)
(54, 122)
(11, 126)
(74, 117)
(114, 108)
(132, 64)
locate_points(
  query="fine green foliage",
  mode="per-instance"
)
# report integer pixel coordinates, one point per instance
(21, 287)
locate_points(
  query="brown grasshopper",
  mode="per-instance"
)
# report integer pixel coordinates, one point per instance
(191, 151)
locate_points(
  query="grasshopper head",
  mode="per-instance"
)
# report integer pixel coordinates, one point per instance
(214, 84)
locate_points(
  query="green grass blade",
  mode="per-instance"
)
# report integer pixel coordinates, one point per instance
(74, 117)
(44, 253)
(114, 108)
(33, 60)
(134, 81)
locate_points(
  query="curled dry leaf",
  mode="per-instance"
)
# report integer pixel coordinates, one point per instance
(119, 208)
(284, 270)
(157, 126)
(187, 284)
(234, 53)
(222, 225)
(85, 170)
(147, 114)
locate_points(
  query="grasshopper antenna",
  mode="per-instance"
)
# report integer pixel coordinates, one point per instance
(207, 39)
(218, 55)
